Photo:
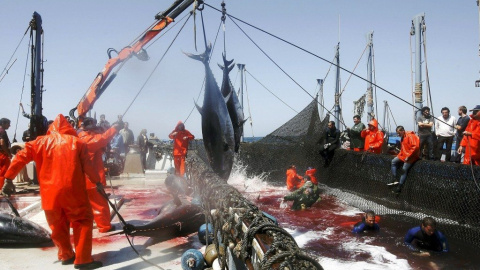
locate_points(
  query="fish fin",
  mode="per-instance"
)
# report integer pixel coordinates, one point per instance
(200, 110)
(204, 57)
(221, 67)
(231, 67)
(243, 122)
(226, 62)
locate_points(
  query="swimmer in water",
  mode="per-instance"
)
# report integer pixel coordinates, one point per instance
(367, 223)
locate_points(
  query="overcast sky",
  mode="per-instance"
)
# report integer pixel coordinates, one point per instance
(78, 34)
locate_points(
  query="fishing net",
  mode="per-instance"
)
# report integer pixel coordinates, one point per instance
(444, 190)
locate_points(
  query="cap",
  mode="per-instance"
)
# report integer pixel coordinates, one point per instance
(477, 108)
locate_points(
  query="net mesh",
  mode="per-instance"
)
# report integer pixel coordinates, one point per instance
(444, 190)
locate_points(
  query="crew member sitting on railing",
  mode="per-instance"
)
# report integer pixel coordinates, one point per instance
(373, 137)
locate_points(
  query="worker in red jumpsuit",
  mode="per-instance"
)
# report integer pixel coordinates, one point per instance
(373, 138)
(62, 160)
(311, 173)
(180, 137)
(294, 181)
(97, 140)
(5, 155)
(471, 138)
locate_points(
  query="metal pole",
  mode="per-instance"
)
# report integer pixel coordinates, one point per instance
(337, 110)
(370, 111)
(320, 82)
(241, 67)
(417, 31)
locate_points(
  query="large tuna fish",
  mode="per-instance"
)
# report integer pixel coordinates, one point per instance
(177, 217)
(17, 230)
(217, 129)
(234, 107)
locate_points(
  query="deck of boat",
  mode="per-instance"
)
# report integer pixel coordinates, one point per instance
(140, 197)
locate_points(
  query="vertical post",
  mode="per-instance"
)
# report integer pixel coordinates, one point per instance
(370, 111)
(337, 110)
(320, 82)
(385, 108)
(241, 67)
(37, 125)
(417, 29)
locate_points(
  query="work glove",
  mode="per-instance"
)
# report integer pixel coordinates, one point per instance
(8, 187)
(326, 145)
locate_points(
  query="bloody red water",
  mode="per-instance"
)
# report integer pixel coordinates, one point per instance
(325, 231)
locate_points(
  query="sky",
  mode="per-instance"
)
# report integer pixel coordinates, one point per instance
(77, 35)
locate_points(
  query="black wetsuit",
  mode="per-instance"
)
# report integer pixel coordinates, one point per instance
(435, 242)
(361, 227)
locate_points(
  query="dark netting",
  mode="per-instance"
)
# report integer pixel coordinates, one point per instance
(444, 190)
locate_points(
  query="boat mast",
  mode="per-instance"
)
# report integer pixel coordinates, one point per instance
(417, 29)
(37, 123)
(241, 67)
(370, 111)
(477, 82)
(320, 82)
(337, 110)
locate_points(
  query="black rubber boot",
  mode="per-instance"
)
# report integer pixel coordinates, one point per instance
(69, 261)
(91, 265)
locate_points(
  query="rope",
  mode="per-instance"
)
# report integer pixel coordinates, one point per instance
(315, 55)
(23, 87)
(361, 56)
(4, 69)
(270, 91)
(304, 90)
(8, 69)
(248, 103)
(155, 68)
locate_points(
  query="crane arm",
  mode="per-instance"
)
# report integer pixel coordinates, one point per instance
(104, 78)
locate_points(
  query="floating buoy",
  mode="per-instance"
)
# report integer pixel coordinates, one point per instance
(202, 231)
(192, 259)
(210, 254)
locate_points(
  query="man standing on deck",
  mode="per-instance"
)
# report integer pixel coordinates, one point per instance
(330, 141)
(356, 140)
(471, 138)
(62, 161)
(426, 238)
(425, 123)
(409, 153)
(127, 135)
(181, 137)
(97, 140)
(462, 124)
(445, 130)
(5, 155)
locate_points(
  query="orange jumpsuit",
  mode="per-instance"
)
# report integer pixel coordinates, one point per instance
(294, 181)
(4, 157)
(61, 162)
(96, 144)
(410, 147)
(180, 147)
(471, 143)
(312, 173)
(373, 138)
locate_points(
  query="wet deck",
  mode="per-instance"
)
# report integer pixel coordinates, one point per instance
(141, 198)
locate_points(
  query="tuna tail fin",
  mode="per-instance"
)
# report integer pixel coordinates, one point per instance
(228, 97)
(243, 122)
(200, 109)
(204, 57)
(226, 62)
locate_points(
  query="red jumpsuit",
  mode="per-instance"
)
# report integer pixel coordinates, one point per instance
(61, 162)
(373, 138)
(96, 144)
(312, 173)
(180, 147)
(4, 157)
(294, 181)
(471, 143)
(410, 149)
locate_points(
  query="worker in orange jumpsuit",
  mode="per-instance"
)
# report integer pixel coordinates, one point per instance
(373, 137)
(62, 160)
(180, 137)
(97, 141)
(311, 173)
(409, 154)
(294, 181)
(471, 138)
(5, 155)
